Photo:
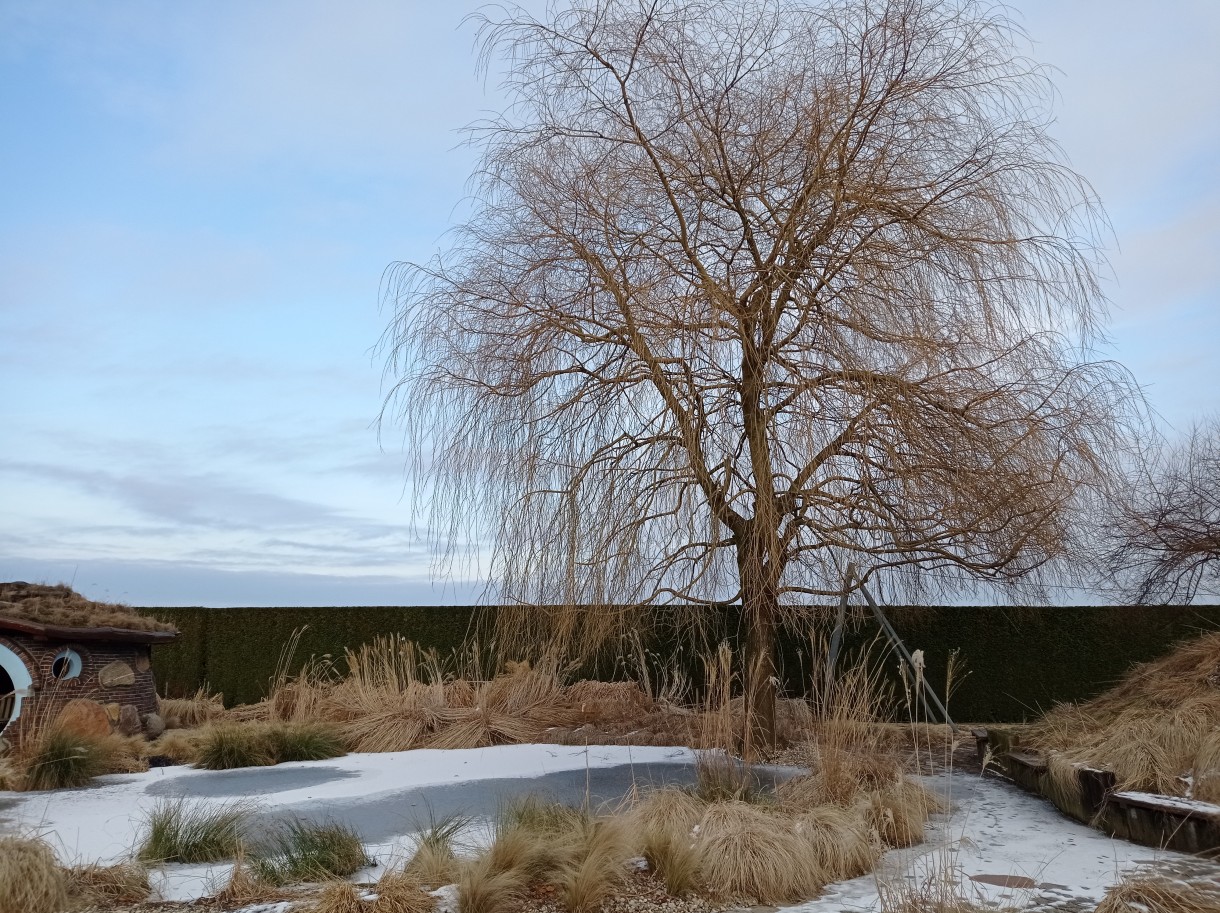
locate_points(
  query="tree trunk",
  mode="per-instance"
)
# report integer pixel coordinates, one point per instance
(761, 609)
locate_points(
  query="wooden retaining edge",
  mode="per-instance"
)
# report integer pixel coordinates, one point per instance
(1186, 825)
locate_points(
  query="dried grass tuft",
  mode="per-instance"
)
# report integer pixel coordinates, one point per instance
(58, 758)
(898, 813)
(674, 857)
(1160, 895)
(190, 712)
(31, 880)
(180, 831)
(435, 861)
(1205, 771)
(1150, 728)
(751, 856)
(595, 867)
(179, 745)
(398, 892)
(244, 887)
(338, 897)
(482, 888)
(126, 883)
(839, 841)
(672, 810)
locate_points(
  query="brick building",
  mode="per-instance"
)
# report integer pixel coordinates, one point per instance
(45, 663)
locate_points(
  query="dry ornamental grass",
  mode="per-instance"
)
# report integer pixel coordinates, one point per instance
(31, 880)
(1160, 722)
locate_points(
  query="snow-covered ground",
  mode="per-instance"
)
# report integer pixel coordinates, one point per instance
(997, 844)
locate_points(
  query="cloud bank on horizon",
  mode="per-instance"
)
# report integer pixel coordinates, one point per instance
(200, 201)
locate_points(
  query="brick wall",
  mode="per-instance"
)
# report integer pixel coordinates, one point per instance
(48, 695)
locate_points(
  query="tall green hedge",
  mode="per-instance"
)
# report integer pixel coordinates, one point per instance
(1018, 661)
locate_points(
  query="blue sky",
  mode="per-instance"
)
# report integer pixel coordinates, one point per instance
(198, 201)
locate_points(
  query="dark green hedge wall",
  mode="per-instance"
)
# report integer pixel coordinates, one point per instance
(1018, 661)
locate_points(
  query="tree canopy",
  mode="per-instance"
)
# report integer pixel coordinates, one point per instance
(1164, 536)
(752, 290)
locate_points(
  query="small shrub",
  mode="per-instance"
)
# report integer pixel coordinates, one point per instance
(31, 880)
(108, 885)
(181, 832)
(230, 745)
(303, 851)
(303, 742)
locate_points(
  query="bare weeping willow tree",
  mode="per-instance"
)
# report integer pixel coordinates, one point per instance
(1164, 536)
(752, 290)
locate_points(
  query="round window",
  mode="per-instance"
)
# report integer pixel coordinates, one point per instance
(65, 665)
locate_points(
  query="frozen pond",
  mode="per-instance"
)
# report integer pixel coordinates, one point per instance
(998, 845)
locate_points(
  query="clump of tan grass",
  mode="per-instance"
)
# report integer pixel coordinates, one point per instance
(839, 840)
(244, 887)
(225, 746)
(595, 865)
(840, 778)
(179, 745)
(388, 695)
(1205, 771)
(398, 892)
(435, 860)
(61, 605)
(338, 897)
(31, 880)
(190, 712)
(484, 888)
(108, 885)
(1150, 728)
(898, 812)
(602, 702)
(748, 855)
(1160, 895)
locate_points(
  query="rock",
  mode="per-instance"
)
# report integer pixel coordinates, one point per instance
(129, 720)
(85, 718)
(112, 709)
(153, 725)
(116, 674)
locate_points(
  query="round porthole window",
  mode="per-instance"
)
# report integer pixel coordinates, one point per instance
(65, 665)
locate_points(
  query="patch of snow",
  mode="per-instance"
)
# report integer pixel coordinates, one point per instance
(1172, 803)
(446, 899)
(102, 823)
(994, 829)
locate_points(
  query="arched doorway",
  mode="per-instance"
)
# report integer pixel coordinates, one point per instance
(14, 685)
